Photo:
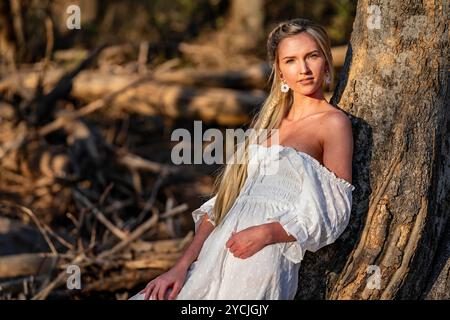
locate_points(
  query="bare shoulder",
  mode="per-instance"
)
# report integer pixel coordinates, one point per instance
(337, 143)
(336, 128)
(336, 121)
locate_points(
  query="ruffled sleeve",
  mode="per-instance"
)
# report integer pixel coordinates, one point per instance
(205, 208)
(321, 213)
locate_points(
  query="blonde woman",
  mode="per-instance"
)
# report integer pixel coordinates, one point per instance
(250, 238)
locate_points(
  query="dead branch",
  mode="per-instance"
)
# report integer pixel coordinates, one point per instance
(27, 264)
(100, 216)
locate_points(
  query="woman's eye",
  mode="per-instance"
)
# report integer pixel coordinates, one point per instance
(314, 55)
(289, 61)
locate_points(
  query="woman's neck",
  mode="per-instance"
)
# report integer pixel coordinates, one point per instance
(303, 106)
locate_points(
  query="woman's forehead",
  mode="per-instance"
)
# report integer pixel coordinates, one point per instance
(297, 45)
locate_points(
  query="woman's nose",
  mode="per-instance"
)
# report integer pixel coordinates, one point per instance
(303, 68)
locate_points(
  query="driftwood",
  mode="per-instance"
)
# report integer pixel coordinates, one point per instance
(21, 287)
(41, 106)
(100, 216)
(253, 77)
(127, 276)
(225, 106)
(96, 180)
(150, 97)
(27, 264)
(126, 280)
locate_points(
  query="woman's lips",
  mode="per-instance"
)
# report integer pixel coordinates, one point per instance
(305, 80)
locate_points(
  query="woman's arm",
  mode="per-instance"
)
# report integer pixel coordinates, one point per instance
(247, 242)
(191, 253)
(275, 233)
(175, 277)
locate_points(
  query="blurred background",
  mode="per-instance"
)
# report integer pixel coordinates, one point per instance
(91, 205)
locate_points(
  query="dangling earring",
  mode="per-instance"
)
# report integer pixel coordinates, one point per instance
(327, 79)
(284, 87)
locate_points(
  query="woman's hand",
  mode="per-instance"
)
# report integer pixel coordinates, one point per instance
(245, 243)
(172, 279)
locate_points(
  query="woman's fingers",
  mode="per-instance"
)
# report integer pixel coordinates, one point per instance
(149, 289)
(231, 240)
(154, 295)
(235, 247)
(242, 253)
(237, 253)
(232, 244)
(162, 291)
(175, 290)
(145, 289)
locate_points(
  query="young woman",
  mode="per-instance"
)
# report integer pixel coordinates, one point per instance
(252, 235)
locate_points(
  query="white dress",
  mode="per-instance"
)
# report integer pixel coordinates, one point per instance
(284, 185)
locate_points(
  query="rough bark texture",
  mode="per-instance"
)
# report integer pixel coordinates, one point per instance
(394, 87)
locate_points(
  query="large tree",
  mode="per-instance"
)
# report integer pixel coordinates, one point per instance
(394, 86)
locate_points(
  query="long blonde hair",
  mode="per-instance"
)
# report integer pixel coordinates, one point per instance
(231, 178)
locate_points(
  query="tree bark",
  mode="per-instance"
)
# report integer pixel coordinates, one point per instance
(233, 45)
(245, 23)
(394, 87)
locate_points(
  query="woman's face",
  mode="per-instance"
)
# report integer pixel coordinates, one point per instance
(299, 57)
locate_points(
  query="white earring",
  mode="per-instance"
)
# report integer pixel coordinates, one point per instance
(327, 80)
(284, 87)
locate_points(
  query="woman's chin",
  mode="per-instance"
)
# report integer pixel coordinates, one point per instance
(307, 91)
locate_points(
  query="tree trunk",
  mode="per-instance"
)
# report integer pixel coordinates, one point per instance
(395, 87)
(233, 45)
(245, 23)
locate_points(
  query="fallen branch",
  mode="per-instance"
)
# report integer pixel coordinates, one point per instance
(27, 264)
(100, 216)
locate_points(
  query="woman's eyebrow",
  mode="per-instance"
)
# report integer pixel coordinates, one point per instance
(306, 54)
